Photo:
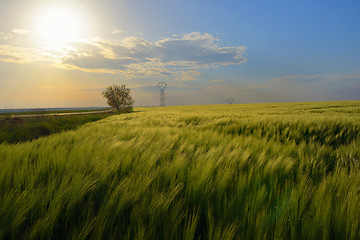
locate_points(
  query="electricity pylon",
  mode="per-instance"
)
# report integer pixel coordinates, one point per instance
(162, 86)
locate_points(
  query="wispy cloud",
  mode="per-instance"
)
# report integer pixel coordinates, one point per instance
(170, 88)
(20, 31)
(217, 80)
(23, 55)
(219, 87)
(296, 77)
(318, 78)
(188, 75)
(177, 57)
(92, 89)
(116, 31)
(5, 36)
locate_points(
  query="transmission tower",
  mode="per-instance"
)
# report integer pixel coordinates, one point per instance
(230, 100)
(162, 86)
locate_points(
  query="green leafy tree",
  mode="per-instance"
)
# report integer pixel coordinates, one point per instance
(119, 98)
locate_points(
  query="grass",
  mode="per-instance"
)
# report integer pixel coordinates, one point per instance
(20, 129)
(254, 171)
(41, 111)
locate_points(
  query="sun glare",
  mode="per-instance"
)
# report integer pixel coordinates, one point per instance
(59, 26)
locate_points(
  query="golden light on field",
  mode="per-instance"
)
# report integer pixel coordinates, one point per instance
(58, 26)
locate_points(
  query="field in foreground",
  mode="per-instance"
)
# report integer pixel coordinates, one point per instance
(260, 171)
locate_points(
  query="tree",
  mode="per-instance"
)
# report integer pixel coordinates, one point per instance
(119, 98)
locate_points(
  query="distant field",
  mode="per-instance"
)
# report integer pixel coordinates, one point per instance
(40, 111)
(16, 129)
(246, 171)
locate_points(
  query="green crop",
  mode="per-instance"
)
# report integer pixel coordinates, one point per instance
(251, 171)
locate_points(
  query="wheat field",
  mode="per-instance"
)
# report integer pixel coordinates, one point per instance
(237, 171)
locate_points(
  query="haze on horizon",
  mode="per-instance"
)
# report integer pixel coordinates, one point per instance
(64, 53)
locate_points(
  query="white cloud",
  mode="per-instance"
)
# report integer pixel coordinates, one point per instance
(22, 55)
(116, 31)
(179, 57)
(20, 31)
(5, 36)
(296, 77)
(169, 57)
(198, 49)
(354, 76)
(218, 87)
(188, 75)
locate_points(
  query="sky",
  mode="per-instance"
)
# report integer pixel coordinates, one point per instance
(65, 53)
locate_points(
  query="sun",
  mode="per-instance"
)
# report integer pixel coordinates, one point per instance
(59, 26)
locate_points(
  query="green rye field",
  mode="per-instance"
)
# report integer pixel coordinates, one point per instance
(247, 171)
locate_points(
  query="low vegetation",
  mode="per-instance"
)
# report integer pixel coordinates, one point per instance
(254, 171)
(20, 129)
(42, 111)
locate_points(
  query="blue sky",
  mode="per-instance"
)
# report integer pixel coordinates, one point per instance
(207, 51)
